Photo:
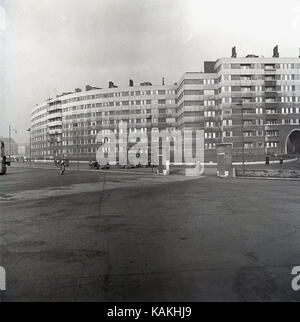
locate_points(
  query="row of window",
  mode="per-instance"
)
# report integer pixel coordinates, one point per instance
(256, 77)
(259, 122)
(259, 111)
(290, 88)
(121, 103)
(207, 135)
(261, 66)
(252, 145)
(119, 94)
(258, 133)
(259, 100)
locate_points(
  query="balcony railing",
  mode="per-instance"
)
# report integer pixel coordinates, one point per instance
(54, 115)
(54, 131)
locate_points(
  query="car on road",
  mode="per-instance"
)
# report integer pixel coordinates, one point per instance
(130, 166)
(94, 165)
(105, 167)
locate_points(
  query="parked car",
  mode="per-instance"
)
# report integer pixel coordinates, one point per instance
(94, 165)
(130, 166)
(105, 167)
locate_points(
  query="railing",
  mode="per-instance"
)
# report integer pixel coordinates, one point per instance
(54, 131)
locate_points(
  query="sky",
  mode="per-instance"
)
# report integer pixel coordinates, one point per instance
(52, 46)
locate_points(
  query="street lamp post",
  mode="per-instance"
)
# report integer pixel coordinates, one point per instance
(29, 130)
(77, 141)
(9, 135)
(149, 118)
(243, 141)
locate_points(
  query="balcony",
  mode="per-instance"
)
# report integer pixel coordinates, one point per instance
(270, 83)
(270, 71)
(54, 107)
(54, 131)
(54, 124)
(54, 115)
(247, 94)
(270, 94)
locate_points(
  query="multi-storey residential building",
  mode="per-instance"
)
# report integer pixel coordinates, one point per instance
(259, 101)
(68, 125)
(196, 107)
(251, 102)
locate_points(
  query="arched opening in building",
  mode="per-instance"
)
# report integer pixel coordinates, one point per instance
(293, 142)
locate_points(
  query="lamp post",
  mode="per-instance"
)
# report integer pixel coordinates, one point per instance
(29, 130)
(243, 141)
(77, 141)
(9, 139)
(149, 118)
(242, 130)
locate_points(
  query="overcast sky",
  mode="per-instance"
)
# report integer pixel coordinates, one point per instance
(52, 46)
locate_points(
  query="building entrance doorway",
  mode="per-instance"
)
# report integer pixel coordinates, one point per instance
(293, 142)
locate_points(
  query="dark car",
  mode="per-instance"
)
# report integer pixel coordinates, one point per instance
(105, 167)
(121, 166)
(94, 165)
(130, 166)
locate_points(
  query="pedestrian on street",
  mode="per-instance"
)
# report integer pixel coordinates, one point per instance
(281, 161)
(62, 167)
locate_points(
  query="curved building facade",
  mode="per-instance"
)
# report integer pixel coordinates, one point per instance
(250, 102)
(68, 125)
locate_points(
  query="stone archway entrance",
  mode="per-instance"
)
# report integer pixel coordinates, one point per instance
(293, 142)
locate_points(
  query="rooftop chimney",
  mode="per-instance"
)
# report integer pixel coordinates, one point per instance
(209, 67)
(234, 54)
(163, 81)
(90, 88)
(130, 83)
(275, 52)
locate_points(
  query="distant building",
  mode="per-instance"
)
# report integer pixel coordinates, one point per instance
(23, 149)
(12, 148)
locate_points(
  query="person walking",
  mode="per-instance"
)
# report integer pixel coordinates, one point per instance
(281, 161)
(62, 167)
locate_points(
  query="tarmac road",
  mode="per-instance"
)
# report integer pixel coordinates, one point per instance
(140, 237)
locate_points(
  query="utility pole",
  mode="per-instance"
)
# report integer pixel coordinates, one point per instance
(242, 130)
(243, 141)
(149, 142)
(29, 130)
(9, 145)
(77, 151)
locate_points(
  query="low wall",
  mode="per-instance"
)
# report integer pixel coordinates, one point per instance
(268, 173)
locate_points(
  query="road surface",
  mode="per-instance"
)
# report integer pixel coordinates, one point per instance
(107, 236)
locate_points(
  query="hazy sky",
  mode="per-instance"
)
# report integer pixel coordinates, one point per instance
(51, 46)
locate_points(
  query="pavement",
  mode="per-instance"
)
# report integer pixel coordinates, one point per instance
(105, 236)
